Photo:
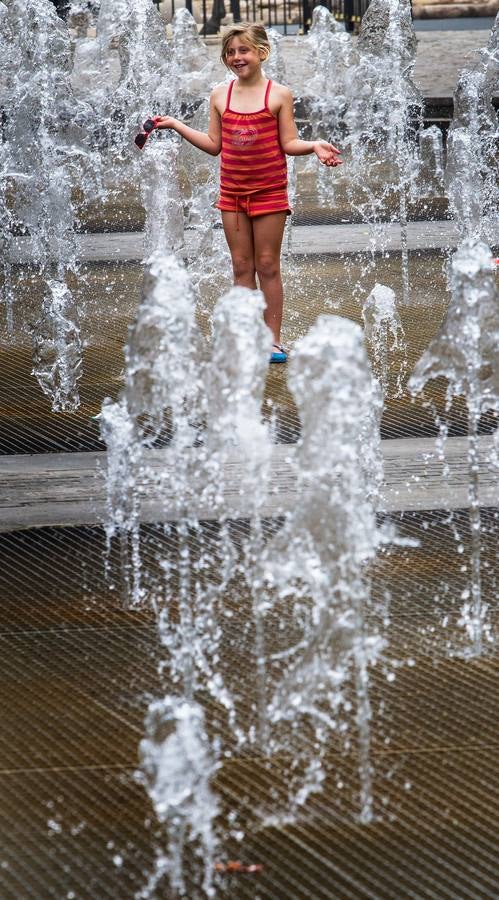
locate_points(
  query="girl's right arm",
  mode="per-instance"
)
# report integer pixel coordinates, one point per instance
(211, 143)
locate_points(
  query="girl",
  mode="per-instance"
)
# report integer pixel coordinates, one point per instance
(252, 123)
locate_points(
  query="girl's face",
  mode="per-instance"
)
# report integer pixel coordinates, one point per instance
(242, 58)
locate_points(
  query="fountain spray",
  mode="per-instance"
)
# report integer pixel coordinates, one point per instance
(318, 559)
(162, 198)
(200, 171)
(160, 379)
(465, 353)
(471, 173)
(177, 764)
(145, 84)
(158, 403)
(275, 68)
(384, 333)
(330, 51)
(43, 145)
(465, 349)
(431, 154)
(192, 67)
(235, 386)
(383, 118)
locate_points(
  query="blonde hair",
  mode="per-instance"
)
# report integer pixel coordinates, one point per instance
(255, 35)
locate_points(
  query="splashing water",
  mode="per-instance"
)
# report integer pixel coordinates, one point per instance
(46, 156)
(121, 436)
(178, 760)
(465, 353)
(331, 54)
(160, 380)
(6, 217)
(431, 172)
(177, 763)
(208, 411)
(382, 324)
(96, 67)
(160, 355)
(471, 175)
(201, 172)
(232, 385)
(232, 388)
(126, 74)
(235, 387)
(162, 198)
(383, 118)
(318, 558)
(58, 348)
(146, 85)
(330, 591)
(274, 67)
(192, 67)
(236, 379)
(39, 110)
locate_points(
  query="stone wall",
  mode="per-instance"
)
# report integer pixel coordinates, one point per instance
(436, 9)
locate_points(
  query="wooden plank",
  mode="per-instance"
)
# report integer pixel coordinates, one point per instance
(309, 239)
(68, 489)
(416, 478)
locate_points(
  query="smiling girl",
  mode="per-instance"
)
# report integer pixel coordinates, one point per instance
(252, 124)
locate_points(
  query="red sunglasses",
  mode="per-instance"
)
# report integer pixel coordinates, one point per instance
(148, 126)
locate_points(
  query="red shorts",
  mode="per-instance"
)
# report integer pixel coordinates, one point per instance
(257, 203)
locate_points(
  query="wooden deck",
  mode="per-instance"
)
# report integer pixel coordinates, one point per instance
(309, 239)
(68, 489)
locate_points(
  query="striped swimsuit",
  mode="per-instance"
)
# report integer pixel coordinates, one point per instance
(253, 173)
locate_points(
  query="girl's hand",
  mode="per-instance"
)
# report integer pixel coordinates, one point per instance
(164, 121)
(327, 154)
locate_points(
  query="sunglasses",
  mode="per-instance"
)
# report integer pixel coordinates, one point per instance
(141, 138)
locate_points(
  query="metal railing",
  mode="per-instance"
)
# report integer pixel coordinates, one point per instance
(287, 16)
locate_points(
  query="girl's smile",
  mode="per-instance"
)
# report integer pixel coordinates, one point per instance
(243, 59)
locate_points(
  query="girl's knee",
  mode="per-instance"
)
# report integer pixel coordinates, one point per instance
(268, 265)
(243, 267)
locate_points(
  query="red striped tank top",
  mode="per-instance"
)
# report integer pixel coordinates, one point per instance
(253, 172)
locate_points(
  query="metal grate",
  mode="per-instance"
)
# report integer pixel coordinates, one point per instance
(108, 296)
(76, 673)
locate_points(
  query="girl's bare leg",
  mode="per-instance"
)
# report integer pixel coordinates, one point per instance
(241, 248)
(267, 236)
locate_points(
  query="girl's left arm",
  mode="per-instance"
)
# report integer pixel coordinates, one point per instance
(291, 143)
